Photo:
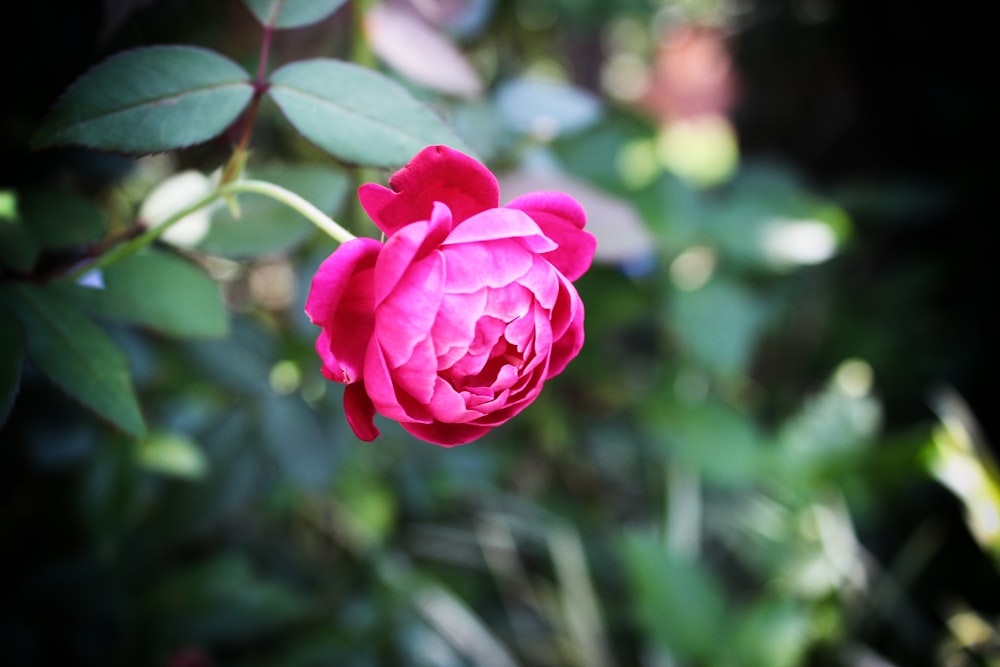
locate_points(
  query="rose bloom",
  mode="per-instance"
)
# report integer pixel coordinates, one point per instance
(454, 324)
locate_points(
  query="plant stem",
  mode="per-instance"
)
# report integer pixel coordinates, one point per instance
(276, 192)
(234, 168)
(139, 242)
(292, 200)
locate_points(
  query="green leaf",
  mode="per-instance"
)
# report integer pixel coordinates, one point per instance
(774, 632)
(18, 248)
(356, 114)
(11, 359)
(172, 454)
(266, 225)
(295, 439)
(676, 601)
(148, 100)
(76, 354)
(291, 13)
(718, 441)
(719, 324)
(59, 220)
(160, 291)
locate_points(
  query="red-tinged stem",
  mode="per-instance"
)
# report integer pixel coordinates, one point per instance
(235, 166)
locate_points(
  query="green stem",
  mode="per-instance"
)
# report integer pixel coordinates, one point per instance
(139, 242)
(287, 197)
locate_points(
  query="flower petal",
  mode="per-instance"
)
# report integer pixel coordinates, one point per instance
(568, 344)
(447, 435)
(407, 314)
(469, 267)
(501, 223)
(410, 244)
(455, 325)
(562, 219)
(341, 302)
(437, 173)
(360, 411)
(418, 375)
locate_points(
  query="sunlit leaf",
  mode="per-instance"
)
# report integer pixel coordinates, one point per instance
(178, 192)
(832, 427)
(594, 153)
(267, 226)
(356, 114)
(161, 291)
(767, 219)
(149, 99)
(367, 506)
(291, 13)
(76, 354)
(419, 51)
(719, 442)
(774, 633)
(58, 219)
(546, 108)
(171, 454)
(11, 358)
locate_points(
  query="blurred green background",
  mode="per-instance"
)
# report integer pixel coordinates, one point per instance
(774, 449)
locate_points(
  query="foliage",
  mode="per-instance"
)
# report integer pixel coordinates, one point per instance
(712, 482)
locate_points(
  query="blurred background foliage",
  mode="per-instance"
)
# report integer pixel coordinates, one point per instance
(774, 449)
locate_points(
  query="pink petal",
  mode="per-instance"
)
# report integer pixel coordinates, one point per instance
(508, 302)
(382, 389)
(568, 345)
(418, 374)
(469, 267)
(501, 223)
(448, 406)
(565, 307)
(360, 412)
(562, 219)
(455, 325)
(407, 315)
(435, 174)
(412, 243)
(542, 281)
(488, 332)
(447, 435)
(341, 302)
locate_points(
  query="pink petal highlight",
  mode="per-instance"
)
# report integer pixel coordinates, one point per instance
(411, 244)
(562, 219)
(499, 224)
(407, 315)
(470, 267)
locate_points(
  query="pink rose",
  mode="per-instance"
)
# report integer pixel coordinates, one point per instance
(452, 327)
